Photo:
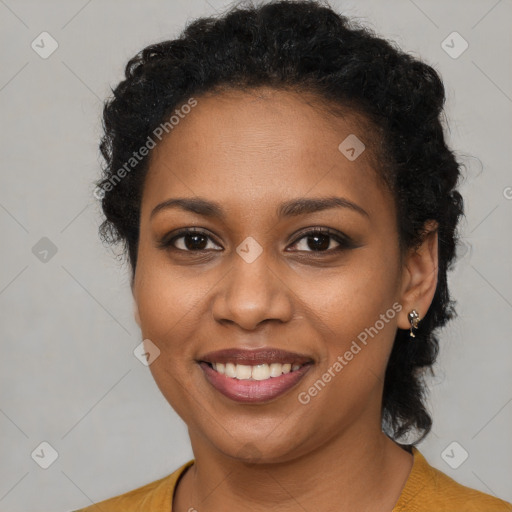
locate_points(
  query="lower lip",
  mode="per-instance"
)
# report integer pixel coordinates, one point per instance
(253, 391)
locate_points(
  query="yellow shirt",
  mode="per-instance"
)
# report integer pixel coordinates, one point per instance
(426, 490)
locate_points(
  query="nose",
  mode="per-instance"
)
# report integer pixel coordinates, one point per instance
(252, 293)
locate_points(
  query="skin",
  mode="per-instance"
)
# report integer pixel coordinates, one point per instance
(249, 153)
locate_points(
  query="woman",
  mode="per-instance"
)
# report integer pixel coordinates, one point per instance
(288, 204)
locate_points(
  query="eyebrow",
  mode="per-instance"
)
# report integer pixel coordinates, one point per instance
(291, 208)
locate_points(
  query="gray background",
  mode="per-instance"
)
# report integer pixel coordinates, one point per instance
(68, 373)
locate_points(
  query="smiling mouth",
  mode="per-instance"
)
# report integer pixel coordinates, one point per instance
(254, 376)
(254, 372)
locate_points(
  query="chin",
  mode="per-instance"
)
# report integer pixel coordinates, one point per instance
(260, 447)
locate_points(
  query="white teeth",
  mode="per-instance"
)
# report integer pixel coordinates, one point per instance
(243, 371)
(276, 369)
(256, 372)
(230, 370)
(260, 372)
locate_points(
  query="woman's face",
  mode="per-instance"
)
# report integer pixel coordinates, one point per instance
(254, 278)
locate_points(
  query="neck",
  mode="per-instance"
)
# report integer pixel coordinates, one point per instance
(368, 470)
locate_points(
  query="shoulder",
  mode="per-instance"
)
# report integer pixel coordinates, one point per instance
(156, 495)
(428, 488)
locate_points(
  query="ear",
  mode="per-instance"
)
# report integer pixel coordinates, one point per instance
(419, 276)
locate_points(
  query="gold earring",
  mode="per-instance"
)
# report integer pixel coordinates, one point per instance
(414, 319)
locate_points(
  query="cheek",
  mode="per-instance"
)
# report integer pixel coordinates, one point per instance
(167, 304)
(165, 297)
(353, 297)
(355, 310)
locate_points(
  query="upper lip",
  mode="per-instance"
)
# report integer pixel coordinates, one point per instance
(253, 357)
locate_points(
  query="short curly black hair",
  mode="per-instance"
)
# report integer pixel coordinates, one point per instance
(305, 46)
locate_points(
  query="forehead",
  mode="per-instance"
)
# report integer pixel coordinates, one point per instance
(262, 147)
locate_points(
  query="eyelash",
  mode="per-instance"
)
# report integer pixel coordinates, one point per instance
(344, 241)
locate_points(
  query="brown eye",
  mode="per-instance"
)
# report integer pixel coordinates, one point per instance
(321, 240)
(187, 240)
